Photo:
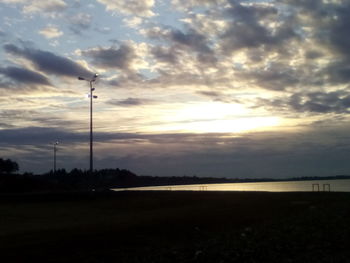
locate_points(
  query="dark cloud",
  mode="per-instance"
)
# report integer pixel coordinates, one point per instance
(4, 125)
(331, 102)
(211, 94)
(328, 23)
(219, 96)
(182, 78)
(43, 135)
(339, 36)
(257, 155)
(49, 62)
(39, 136)
(246, 29)
(112, 57)
(192, 39)
(164, 54)
(337, 72)
(129, 102)
(180, 41)
(313, 54)
(55, 122)
(244, 164)
(275, 77)
(313, 103)
(23, 75)
(28, 136)
(195, 42)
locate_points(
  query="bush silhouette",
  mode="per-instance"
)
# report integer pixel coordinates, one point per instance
(7, 166)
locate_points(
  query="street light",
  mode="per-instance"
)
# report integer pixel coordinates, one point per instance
(54, 157)
(93, 79)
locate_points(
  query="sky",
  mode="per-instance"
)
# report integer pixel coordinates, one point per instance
(220, 88)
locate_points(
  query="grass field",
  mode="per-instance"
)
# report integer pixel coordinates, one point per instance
(175, 227)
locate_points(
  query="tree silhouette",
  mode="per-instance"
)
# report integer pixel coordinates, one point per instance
(8, 166)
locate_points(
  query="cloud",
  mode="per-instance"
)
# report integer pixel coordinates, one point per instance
(290, 56)
(80, 22)
(133, 22)
(190, 39)
(49, 62)
(189, 50)
(103, 30)
(42, 135)
(337, 102)
(130, 102)
(275, 77)
(321, 102)
(130, 7)
(339, 28)
(327, 23)
(256, 155)
(127, 80)
(51, 32)
(164, 54)
(43, 7)
(119, 58)
(252, 27)
(214, 95)
(190, 4)
(38, 135)
(23, 75)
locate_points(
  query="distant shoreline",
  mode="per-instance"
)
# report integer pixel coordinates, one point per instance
(78, 180)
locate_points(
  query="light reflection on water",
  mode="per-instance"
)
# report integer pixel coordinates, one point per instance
(289, 186)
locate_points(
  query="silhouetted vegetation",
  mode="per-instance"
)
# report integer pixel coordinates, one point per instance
(78, 179)
(7, 166)
(100, 180)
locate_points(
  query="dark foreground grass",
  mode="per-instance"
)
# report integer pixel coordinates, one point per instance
(175, 227)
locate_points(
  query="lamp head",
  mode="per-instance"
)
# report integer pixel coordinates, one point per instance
(94, 77)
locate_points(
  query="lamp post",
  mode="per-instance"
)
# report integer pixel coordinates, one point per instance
(93, 79)
(54, 157)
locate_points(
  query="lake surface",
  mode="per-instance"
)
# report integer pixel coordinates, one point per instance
(285, 186)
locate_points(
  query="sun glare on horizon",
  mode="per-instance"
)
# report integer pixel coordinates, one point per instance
(215, 117)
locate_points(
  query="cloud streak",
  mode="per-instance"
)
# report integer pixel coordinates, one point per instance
(49, 62)
(23, 75)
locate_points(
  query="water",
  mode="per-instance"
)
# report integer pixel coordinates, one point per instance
(289, 186)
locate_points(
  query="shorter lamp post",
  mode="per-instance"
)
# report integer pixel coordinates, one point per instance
(54, 156)
(93, 79)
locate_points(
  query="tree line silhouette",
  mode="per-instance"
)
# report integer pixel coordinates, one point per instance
(100, 180)
(78, 179)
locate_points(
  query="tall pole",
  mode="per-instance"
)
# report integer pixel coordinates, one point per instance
(93, 79)
(54, 157)
(91, 139)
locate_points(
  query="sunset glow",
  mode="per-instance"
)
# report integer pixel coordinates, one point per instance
(183, 86)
